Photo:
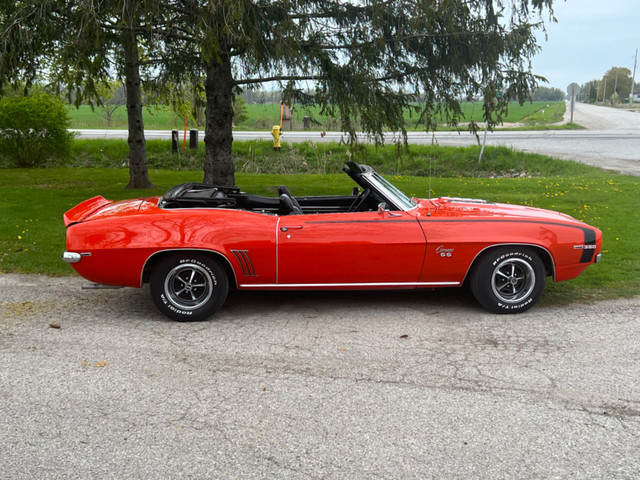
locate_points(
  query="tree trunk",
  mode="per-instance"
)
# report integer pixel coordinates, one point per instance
(138, 174)
(218, 135)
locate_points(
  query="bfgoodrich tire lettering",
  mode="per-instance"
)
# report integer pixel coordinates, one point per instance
(508, 279)
(189, 286)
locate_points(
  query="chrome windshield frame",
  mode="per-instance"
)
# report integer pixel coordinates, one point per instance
(389, 190)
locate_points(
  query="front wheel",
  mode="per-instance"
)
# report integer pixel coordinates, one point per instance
(189, 287)
(508, 279)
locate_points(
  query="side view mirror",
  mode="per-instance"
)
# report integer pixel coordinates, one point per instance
(384, 208)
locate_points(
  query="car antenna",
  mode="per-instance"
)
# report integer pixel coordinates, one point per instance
(430, 164)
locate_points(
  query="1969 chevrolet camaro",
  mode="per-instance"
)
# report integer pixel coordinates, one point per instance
(197, 241)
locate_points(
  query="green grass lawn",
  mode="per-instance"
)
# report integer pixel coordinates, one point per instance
(264, 116)
(32, 202)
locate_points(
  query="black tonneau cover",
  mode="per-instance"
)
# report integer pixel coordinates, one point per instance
(196, 195)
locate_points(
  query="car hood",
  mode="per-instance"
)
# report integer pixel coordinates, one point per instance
(475, 208)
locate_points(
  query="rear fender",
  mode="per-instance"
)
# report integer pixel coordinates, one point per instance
(154, 259)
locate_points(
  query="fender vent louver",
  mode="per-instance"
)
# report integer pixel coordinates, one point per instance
(245, 262)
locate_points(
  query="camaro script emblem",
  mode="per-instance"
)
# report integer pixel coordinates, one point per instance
(444, 252)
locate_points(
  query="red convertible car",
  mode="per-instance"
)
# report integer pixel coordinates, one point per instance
(197, 241)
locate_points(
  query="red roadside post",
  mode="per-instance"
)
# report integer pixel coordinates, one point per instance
(184, 140)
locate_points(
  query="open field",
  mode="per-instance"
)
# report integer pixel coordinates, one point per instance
(264, 116)
(33, 201)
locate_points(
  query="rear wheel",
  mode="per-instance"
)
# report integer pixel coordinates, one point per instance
(189, 286)
(508, 279)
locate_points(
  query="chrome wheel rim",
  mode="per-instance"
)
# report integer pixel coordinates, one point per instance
(188, 286)
(513, 280)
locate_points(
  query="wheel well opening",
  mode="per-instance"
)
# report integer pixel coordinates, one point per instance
(158, 257)
(544, 255)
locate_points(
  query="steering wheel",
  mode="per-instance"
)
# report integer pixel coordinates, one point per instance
(359, 201)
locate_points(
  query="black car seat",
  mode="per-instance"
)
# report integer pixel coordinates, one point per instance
(289, 205)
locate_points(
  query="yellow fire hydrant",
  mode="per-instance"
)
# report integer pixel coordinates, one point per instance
(276, 131)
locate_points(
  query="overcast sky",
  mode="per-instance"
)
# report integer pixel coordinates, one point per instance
(591, 36)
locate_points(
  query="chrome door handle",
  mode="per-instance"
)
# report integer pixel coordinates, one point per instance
(295, 227)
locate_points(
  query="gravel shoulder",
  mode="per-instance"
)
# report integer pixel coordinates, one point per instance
(595, 117)
(314, 385)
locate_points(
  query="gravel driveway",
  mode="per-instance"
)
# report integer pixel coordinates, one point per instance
(334, 386)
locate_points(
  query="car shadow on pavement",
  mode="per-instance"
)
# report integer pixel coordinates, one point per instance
(345, 302)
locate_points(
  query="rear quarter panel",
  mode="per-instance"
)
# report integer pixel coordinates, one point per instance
(119, 246)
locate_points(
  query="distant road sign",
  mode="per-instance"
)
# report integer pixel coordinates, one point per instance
(573, 89)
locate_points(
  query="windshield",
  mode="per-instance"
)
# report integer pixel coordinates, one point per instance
(390, 190)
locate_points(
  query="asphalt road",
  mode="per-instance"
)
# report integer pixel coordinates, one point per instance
(324, 385)
(611, 138)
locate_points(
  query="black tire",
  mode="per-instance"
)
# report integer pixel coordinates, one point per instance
(508, 279)
(189, 286)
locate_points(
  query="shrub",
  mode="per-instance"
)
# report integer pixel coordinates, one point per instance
(33, 129)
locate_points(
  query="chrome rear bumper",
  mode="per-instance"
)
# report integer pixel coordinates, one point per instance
(71, 257)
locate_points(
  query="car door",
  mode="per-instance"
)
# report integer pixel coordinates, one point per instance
(362, 249)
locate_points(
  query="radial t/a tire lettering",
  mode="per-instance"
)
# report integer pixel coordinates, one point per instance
(189, 287)
(508, 279)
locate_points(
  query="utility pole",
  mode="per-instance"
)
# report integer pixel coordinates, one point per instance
(633, 78)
